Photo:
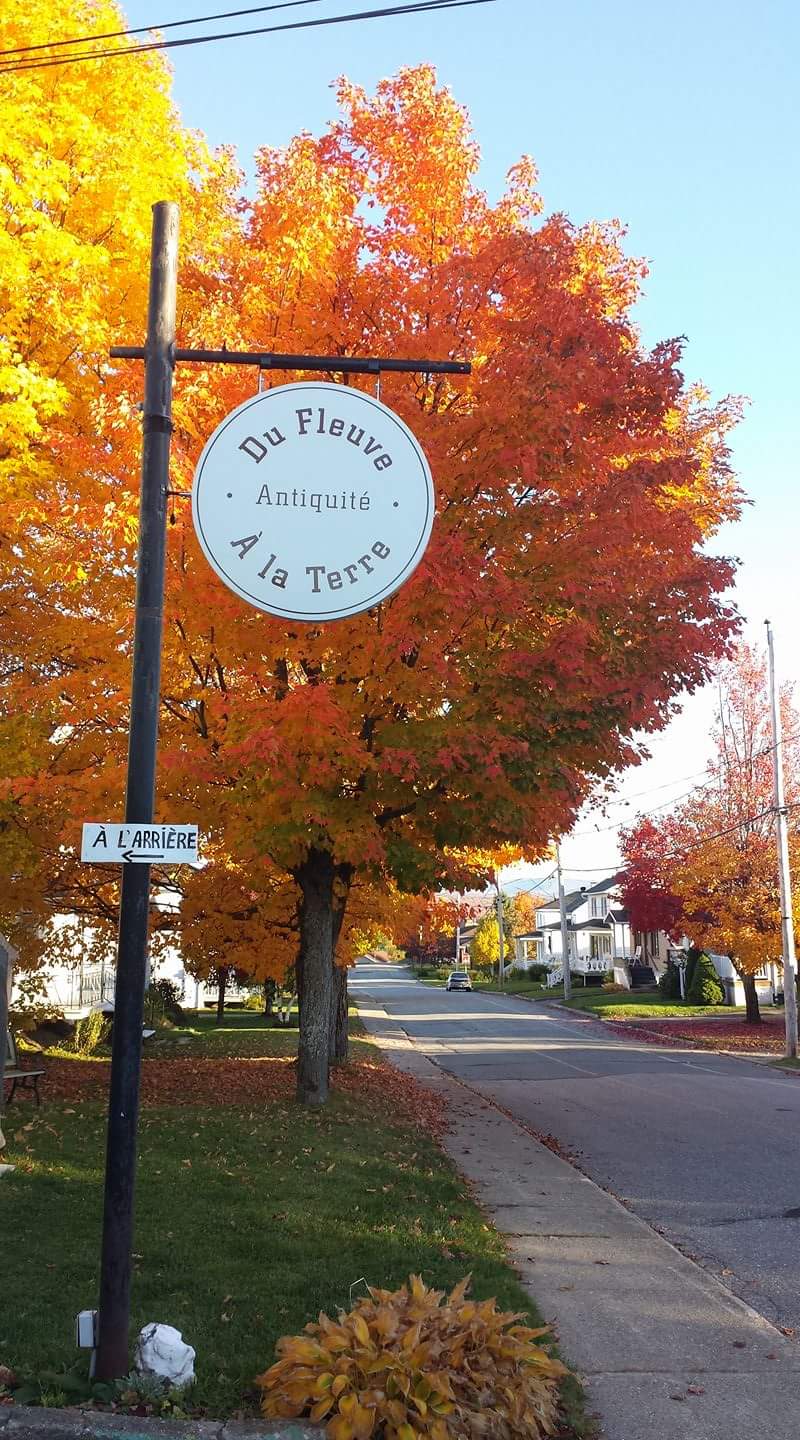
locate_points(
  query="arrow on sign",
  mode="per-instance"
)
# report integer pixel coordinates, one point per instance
(109, 843)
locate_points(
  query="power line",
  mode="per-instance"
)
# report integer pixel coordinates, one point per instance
(148, 29)
(765, 750)
(675, 799)
(687, 850)
(729, 830)
(652, 789)
(417, 7)
(618, 824)
(720, 834)
(528, 889)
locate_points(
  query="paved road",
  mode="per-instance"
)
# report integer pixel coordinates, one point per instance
(704, 1148)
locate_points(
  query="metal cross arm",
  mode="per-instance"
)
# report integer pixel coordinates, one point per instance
(266, 360)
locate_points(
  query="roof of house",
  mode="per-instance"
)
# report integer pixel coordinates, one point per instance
(601, 885)
(590, 925)
(619, 914)
(571, 901)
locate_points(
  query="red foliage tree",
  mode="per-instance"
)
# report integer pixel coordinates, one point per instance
(643, 880)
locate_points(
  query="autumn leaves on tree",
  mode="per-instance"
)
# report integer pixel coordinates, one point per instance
(565, 596)
(709, 869)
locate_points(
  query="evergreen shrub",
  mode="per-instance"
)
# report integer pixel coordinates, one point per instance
(669, 984)
(705, 988)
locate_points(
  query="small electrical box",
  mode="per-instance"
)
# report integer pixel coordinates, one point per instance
(86, 1329)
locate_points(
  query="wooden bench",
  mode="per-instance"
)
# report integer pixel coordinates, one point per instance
(24, 1079)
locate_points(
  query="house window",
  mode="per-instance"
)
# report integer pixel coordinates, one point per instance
(600, 946)
(597, 907)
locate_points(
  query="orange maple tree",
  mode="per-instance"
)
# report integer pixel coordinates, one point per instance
(565, 596)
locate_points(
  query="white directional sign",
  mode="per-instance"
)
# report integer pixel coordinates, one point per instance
(111, 844)
(313, 501)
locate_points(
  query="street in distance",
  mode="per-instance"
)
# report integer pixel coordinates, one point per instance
(106, 843)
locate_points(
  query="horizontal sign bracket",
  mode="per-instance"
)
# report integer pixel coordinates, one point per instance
(266, 360)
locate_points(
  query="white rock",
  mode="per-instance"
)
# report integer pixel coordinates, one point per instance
(161, 1350)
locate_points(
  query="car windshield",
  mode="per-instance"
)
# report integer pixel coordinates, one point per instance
(458, 975)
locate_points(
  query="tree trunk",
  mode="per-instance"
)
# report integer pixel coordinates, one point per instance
(315, 879)
(753, 1014)
(298, 973)
(339, 1007)
(339, 1036)
(269, 996)
(222, 981)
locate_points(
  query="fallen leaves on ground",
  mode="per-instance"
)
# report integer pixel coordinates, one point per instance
(766, 1038)
(248, 1082)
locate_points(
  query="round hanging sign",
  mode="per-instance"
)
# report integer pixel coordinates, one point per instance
(313, 501)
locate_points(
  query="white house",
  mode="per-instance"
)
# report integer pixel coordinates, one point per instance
(598, 937)
(601, 942)
(88, 977)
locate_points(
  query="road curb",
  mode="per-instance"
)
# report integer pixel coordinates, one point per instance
(24, 1422)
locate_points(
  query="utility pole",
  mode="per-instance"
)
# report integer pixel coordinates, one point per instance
(501, 939)
(787, 927)
(126, 1052)
(564, 930)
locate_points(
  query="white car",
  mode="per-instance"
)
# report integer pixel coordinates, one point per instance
(458, 980)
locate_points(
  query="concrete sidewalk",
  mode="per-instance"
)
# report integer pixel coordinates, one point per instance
(664, 1350)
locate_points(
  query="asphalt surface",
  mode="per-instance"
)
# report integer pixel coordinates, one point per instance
(704, 1148)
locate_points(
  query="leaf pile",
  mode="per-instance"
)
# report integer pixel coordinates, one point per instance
(414, 1362)
(766, 1038)
(247, 1082)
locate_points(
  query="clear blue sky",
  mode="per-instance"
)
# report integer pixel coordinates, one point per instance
(681, 119)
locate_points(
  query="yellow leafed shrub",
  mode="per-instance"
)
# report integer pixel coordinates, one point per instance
(414, 1362)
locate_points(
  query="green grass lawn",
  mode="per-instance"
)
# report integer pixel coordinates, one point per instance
(244, 1033)
(250, 1219)
(513, 985)
(637, 1005)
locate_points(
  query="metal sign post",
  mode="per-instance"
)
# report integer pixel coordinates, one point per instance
(7, 957)
(126, 1051)
(136, 856)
